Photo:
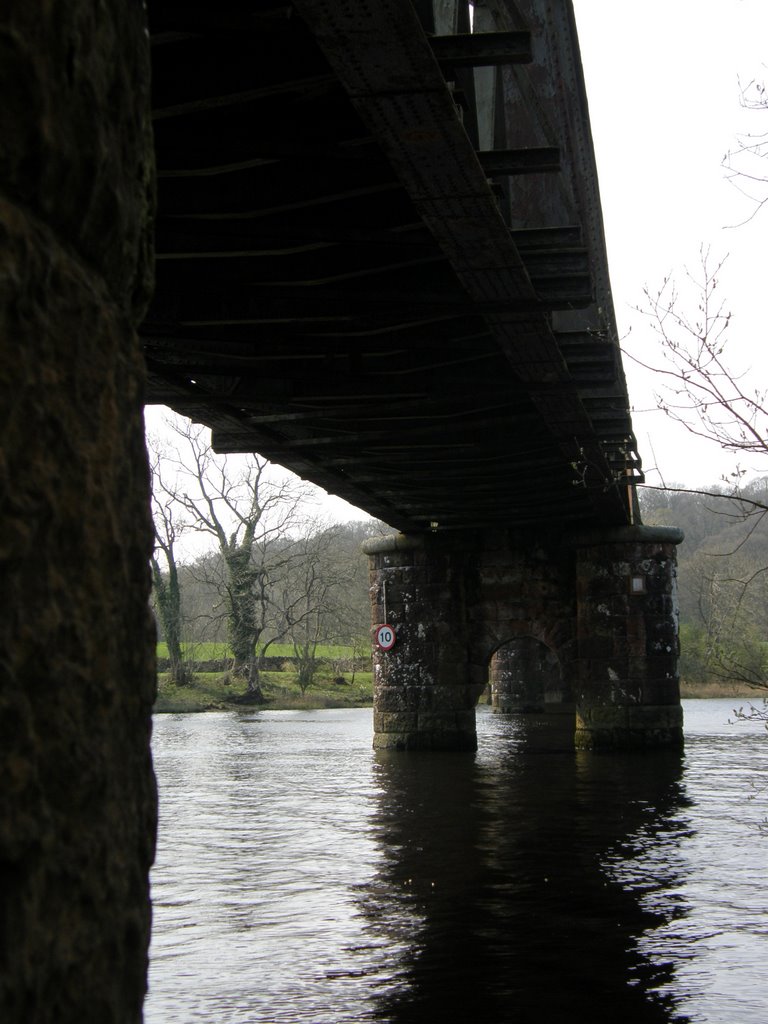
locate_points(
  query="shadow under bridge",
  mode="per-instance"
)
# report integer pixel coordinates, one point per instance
(380, 256)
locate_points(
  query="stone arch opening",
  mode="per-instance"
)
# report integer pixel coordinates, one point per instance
(526, 675)
(530, 680)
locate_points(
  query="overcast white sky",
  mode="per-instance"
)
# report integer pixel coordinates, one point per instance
(663, 85)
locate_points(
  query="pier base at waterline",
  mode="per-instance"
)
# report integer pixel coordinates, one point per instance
(628, 689)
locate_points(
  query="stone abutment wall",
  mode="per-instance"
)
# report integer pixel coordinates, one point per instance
(77, 802)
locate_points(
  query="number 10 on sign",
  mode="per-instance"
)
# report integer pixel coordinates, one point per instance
(385, 637)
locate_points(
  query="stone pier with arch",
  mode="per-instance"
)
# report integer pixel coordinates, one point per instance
(584, 624)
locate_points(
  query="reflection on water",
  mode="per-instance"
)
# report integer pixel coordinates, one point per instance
(302, 877)
(507, 904)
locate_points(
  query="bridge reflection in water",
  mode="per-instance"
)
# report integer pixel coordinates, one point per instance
(303, 877)
(496, 888)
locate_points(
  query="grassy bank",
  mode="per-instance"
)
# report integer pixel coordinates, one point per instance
(214, 691)
(340, 682)
(213, 650)
(719, 688)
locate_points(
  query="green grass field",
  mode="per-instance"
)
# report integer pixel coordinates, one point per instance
(210, 651)
(213, 691)
(218, 690)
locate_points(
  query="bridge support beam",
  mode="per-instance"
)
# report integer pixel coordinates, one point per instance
(423, 696)
(628, 685)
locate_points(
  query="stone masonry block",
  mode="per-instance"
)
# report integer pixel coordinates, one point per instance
(77, 808)
(606, 717)
(400, 721)
(77, 144)
(437, 722)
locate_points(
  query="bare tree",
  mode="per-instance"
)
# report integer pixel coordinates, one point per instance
(314, 597)
(166, 587)
(249, 512)
(704, 391)
(700, 389)
(352, 605)
(745, 162)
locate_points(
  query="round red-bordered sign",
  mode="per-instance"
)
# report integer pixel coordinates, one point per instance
(385, 637)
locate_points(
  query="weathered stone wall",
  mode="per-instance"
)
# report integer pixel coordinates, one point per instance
(524, 588)
(453, 600)
(423, 696)
(603, 605)
(525, 675)
(77, 804)
(628, 692)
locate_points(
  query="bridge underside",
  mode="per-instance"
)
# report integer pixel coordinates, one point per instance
(380, 259)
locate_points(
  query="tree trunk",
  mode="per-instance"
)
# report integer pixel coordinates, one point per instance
(253, 688)
(243, 632)
(168, 603)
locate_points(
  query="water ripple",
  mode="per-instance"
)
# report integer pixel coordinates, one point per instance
(303, 878)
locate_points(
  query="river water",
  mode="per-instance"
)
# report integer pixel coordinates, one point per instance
(303, 877)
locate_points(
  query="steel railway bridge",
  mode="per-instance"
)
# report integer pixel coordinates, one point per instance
(381, 263)
(380, 256)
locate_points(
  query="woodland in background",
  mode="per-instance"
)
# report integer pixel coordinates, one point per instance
(722, 579)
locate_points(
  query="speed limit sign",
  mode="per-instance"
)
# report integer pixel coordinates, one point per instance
(385, 637)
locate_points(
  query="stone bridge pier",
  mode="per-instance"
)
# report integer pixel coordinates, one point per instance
(583, 624)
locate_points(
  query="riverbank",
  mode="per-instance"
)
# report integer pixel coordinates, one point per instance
(216, 691)
(713, 690)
